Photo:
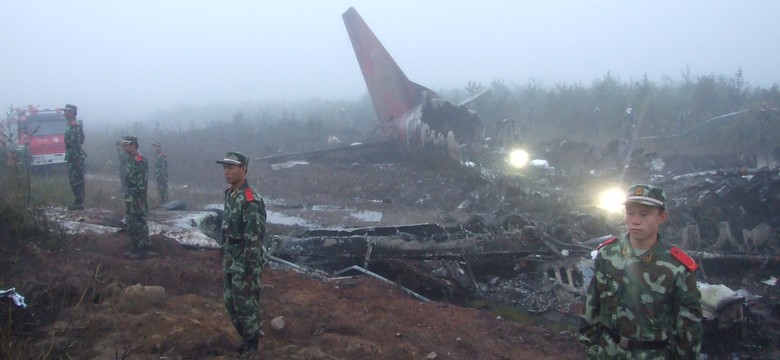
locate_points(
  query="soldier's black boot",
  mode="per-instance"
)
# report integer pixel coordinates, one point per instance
(77, 205)
(251, 345)
(248, 346)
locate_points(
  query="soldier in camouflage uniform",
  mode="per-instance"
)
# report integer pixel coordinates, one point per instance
(122, 158)
(161, 172)
(74, 155)
(642, 302)
(243, 232)
(135, 198)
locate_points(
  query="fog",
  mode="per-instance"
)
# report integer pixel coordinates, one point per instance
(121, 60)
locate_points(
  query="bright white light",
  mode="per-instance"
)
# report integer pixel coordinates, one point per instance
(518, 158)
(612, 199)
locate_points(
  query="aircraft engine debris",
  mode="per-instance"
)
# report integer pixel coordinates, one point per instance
(721, 304)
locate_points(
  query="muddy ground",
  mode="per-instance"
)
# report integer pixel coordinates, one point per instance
(351, 318)
(82, 305)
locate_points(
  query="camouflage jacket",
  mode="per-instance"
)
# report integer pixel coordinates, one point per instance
(243, 230)
(122, 157)
(161, 167)
(74, 138)
(136, 178)
(649, 298)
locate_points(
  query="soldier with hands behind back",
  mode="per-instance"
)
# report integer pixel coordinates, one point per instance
(161, 172)
(75, 155)
(243, 232)
(136, 207)
(642, 302)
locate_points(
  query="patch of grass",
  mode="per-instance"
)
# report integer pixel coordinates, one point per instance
(21, 212)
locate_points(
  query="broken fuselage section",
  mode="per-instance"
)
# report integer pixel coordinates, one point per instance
(425, 126)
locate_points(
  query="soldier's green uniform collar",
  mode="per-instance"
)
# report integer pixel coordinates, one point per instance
(238, 190)
(647, 255)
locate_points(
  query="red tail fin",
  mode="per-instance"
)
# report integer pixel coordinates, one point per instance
(391, 92)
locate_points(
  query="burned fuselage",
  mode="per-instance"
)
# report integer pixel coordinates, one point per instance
(425, 126)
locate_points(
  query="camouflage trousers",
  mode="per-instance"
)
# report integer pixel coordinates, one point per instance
(136, 210)
(76, 179)
(123, 175)
(162, 190)
(242, 295)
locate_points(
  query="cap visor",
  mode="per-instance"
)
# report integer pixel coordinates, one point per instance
(644, 201)
(229, 161)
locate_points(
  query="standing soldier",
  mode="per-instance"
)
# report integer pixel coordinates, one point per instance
(74, 155)
(161, 172)
(122, 157)
(642, 302)
(135, 198)
(243, 231)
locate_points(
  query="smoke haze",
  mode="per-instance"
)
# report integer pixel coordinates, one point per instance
(121, 61)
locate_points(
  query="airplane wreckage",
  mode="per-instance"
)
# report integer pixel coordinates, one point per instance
(412, 119)
(526, 245)
(525, 241)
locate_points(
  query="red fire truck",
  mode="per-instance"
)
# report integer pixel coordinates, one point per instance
(42, 134)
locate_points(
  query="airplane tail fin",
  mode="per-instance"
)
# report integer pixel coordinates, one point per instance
(391, 91)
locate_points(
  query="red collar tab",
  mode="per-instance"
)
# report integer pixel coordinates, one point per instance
(609, 241)
(686, 260)
(248, 194)
(138, 158)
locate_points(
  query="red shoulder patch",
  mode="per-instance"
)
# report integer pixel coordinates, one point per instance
(609, 241)
(248, 194)
(684, 258)
(138, 157)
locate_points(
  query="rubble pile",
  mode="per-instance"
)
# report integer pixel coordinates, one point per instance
(725, 218)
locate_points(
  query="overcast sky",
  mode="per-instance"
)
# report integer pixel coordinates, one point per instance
(123, 60)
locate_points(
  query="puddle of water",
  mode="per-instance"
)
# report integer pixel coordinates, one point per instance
(367, 215)
(309, 219)
(214, 206)
(282, 219)
(410, 217)
(287, 165)
(274, 217)
(326, 207)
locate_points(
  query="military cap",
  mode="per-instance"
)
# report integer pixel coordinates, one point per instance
(129, 139)
(647, 195)
(71, 107)
(156, 143)
(235, 158)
